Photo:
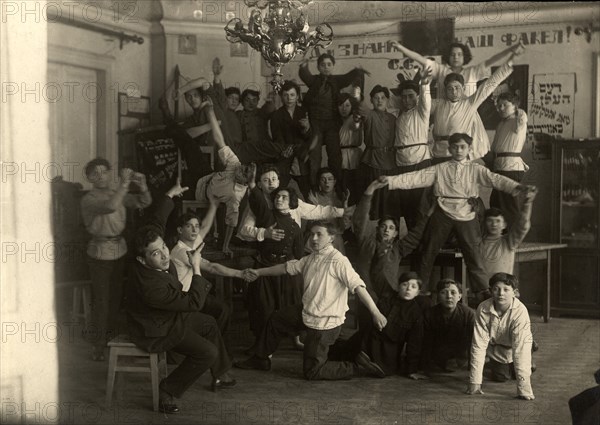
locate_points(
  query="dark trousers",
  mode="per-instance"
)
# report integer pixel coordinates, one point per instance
(468, 234)
(410, 200)
(329, 135)
(502, 372)
(107, 294)
(258, 152)
(316, 365)
(505, 201)
(350, 182)
(204, 348)
(303, 182)
(261, 298)
(221, 312)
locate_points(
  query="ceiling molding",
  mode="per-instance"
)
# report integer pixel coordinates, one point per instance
(100, 17)
(175, 27)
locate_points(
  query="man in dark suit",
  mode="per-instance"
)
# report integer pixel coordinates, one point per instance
(164, 318)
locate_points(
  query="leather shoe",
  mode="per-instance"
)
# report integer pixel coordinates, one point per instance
(217, 384)
(254, 363)
(364, 361)
(167, 406)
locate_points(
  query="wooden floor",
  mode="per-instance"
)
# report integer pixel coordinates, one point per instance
(569, 355)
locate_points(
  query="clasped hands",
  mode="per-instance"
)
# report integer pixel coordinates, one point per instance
(250, 275)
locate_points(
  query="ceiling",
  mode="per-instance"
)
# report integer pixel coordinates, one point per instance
(319, 11)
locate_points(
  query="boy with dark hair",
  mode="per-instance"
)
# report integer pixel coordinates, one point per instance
(412, 149)
(104, 214)
(191, 237)
(290, 127)
(502, 333)
(268, 181)
(328, 276)
(379, 156)
(321, 102)
(233, 98)
(456, 188)
(455, 60)
(448, 328)
(505, 153)
(458, 114)
(404, 316)
(351, 140)
(162, 317)
(497, 248)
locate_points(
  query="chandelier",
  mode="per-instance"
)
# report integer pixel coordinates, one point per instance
(280, 35)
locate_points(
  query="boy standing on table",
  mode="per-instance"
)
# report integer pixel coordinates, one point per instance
(455, 187)
(328, 276)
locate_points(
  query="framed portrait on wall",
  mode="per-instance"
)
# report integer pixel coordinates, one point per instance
(187, 44)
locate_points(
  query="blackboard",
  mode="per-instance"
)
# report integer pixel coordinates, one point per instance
(157, 159)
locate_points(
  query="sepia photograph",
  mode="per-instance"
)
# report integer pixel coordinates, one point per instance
(299, 212)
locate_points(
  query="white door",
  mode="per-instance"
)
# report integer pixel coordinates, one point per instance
(73, 94)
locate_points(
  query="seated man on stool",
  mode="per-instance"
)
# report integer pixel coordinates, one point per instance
(162, 317)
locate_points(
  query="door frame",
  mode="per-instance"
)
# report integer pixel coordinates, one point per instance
(106, 139)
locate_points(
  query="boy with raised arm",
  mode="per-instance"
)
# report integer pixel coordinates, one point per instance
(457, 114)
(328, 276)
(228, 186)
(412, 150)
(321, 102)
(162, 317)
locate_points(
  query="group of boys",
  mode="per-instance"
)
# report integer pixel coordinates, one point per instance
(170, 308)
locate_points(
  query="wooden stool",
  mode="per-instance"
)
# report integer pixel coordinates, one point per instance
(123, 347)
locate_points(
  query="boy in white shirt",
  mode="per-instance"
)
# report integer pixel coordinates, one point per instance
(455, 187)
(328, 276)
(503, 333)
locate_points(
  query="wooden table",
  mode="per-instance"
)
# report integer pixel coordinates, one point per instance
(526, 252)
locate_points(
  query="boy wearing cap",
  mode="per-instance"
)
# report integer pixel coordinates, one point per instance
(378, 157)
(412, 149)
(502, 333)
(448, 328)
(456, 187)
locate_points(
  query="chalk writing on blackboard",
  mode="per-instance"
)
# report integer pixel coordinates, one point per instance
(157, 159)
